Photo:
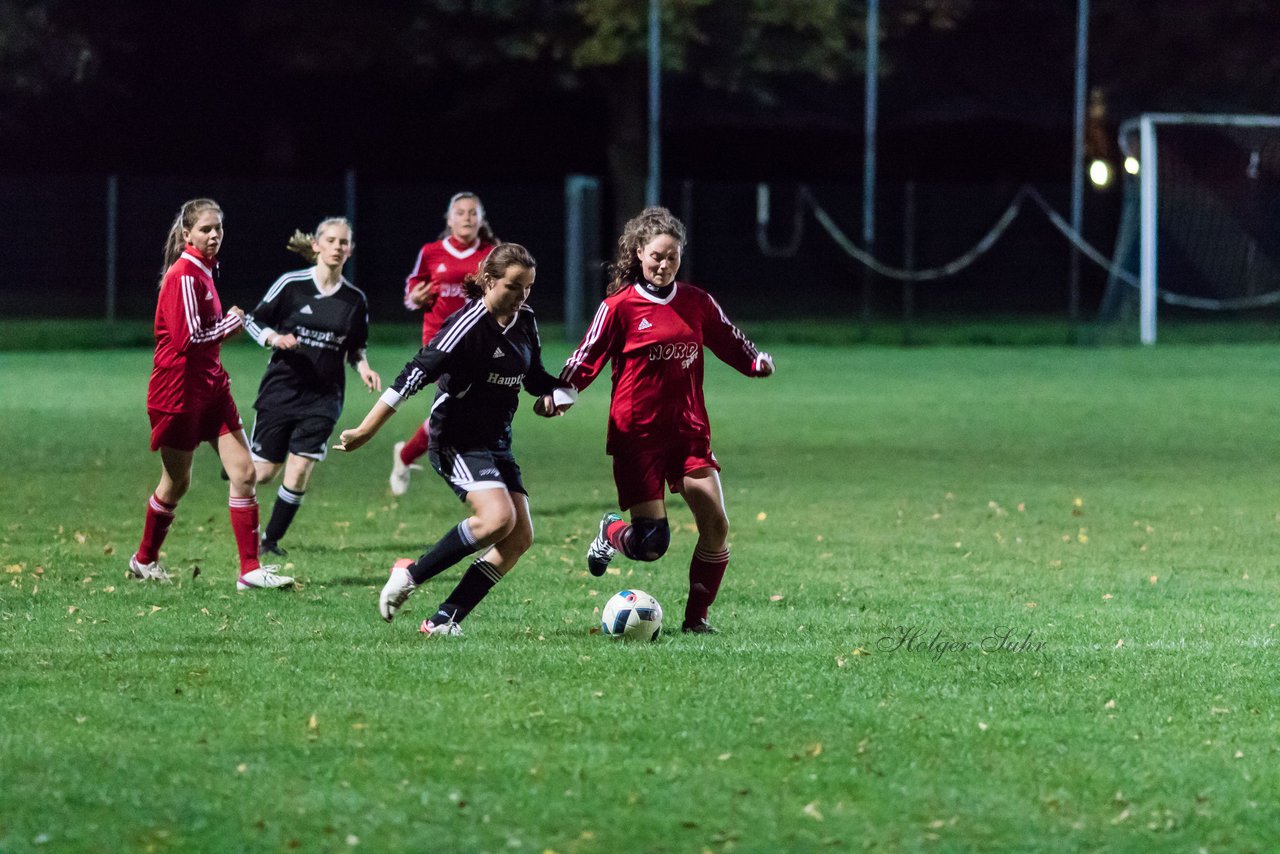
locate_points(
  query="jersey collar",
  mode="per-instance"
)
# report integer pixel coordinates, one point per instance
(675, 286)
(193, 255)
(451, 246)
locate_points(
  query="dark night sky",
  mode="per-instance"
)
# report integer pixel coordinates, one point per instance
(991, 97)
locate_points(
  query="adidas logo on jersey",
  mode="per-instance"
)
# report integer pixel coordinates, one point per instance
(497, 354)
(644, 324)
(208, 295)
(442, 269)
(306, 309)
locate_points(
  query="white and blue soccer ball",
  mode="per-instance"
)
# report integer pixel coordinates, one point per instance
(632, 614)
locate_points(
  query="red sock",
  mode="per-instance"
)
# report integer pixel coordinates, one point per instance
(615, 534)
(155, 529)
(416, 446)
(244, 524)
(706, 571)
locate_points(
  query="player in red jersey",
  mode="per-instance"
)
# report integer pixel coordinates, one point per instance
(436, 287)
(189, 397)
(654, 330)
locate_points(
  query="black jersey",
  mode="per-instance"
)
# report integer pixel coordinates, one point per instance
(478, 367)
(330, 330)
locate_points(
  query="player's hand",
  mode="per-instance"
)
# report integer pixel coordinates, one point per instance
(544, 407)
(287, 341)
(350, 440)
(237, 311)
(371, 380)
(423, 295)
(763, 365)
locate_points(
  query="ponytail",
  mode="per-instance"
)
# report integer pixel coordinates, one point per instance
(186, 218)
(494, 265)
(300, 242)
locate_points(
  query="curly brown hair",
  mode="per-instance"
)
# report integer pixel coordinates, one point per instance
(503, 256)
(639, 230)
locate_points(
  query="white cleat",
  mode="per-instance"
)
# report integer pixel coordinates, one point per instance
(401, 471)
(449, 628)
(263, 578)
(398, 588)
(146, 571)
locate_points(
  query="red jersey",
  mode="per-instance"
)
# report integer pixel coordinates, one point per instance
(656, 346)
(444, 263)
(190, 327)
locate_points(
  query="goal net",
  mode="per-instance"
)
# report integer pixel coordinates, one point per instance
(1200, 230)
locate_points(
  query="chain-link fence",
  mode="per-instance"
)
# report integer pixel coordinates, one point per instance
(58, 256)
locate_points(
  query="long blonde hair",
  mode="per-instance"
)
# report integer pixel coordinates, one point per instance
(186, 218)
(636, 234)
(300, 243)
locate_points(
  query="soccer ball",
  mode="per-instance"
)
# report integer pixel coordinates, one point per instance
(632, 614)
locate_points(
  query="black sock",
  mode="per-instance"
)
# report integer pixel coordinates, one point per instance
(286, 507)
(450, 549)
(476, 583)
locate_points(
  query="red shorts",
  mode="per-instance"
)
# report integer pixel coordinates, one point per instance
(639, 469)
(186, 430)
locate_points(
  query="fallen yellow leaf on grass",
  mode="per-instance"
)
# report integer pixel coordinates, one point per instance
(811, 810)
(1110, 704)
(13, 568)
(777, 597)
(814, 750)
(761, 516)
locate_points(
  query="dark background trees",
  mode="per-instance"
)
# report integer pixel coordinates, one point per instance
(540, 87)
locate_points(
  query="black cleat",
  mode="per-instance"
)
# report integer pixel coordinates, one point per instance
(599, 553)
(699, 627)
(266, 547)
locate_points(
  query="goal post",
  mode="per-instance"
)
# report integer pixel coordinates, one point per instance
(1209, 187)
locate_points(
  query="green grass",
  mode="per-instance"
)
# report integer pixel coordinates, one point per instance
(1120, 505)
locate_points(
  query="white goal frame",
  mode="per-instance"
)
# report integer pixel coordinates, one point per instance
(1146, 126)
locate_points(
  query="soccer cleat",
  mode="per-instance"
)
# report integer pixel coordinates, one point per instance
(599, 553)
(398, 588)
(699, 627)
(401, 471)
(446, 628)
(266, 547)
(263, 578)
(146, 571)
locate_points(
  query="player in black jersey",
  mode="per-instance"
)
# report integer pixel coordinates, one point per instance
(314, 321)
(479, 359)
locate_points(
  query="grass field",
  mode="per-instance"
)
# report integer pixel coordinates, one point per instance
(980, 599)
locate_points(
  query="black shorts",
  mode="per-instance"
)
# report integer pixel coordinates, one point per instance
(475, 469)
(274, 436)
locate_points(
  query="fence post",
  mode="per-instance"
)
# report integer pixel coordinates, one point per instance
(113, 212)
(581, 247)
(349, 189)
(908, 259)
